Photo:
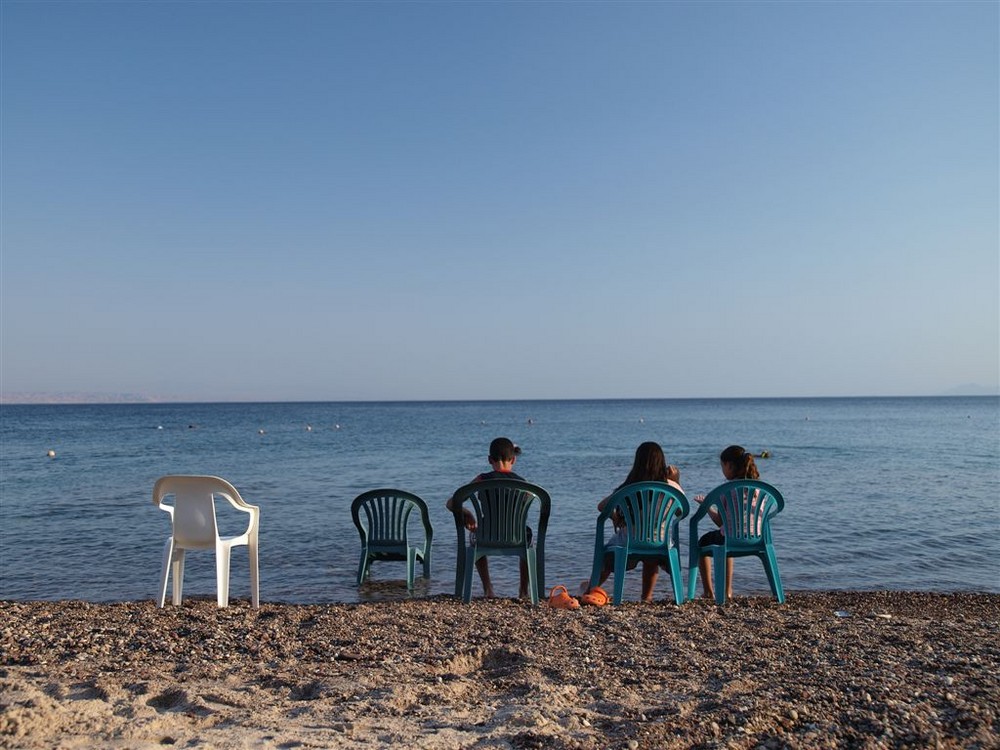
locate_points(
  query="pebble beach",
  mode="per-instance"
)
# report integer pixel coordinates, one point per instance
(836, 669)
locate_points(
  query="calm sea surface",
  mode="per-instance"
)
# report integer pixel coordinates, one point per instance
(881, 493)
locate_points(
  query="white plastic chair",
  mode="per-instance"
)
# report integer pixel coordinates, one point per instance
(195, 527)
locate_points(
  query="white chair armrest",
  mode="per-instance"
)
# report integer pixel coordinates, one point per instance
(244, 507)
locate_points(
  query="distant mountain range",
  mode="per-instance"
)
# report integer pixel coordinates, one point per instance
(83, 397)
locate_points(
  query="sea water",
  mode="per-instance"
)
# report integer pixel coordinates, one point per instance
(881, 493)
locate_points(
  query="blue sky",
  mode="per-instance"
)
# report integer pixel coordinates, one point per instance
(310, 200)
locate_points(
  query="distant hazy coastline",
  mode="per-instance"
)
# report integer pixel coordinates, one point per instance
(83, 397)
(74, 397)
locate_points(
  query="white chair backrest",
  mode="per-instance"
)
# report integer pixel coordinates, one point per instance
(194, 523)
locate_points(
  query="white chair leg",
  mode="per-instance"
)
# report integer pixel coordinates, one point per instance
(254, 575)
(168, 550)
(222, 552)
(178, 573)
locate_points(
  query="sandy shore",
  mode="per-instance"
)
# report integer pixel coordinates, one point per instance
(825, 670)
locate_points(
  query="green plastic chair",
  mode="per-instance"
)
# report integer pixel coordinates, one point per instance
(746, 507)
(651, 512)
(501, 508)
(384, 530)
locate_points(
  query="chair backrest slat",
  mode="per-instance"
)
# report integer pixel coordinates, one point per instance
(649, 511)
(194, 523)
(501, 515)
(745, 508)
(386, 515)
(502, 508)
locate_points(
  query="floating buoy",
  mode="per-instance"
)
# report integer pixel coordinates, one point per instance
(51, 454)
(159, 426)
(531, 421)
(260, 432)
(336, 427)
(642, 420)
(309, 428)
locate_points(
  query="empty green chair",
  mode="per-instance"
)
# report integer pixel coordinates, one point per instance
(746, 507)
(501, 507)
(650, 512)
(382, 517)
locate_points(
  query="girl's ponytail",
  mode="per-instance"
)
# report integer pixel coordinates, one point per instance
(746, 467)
(749, 468)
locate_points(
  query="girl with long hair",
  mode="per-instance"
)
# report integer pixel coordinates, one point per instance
(649, 465)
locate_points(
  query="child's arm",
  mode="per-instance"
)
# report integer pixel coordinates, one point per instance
(712, 512)
(470, 517)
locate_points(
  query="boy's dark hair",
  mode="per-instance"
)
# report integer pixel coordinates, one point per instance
(503, 449)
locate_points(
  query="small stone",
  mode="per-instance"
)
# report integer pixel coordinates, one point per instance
(716, 729)
(793, 715)
(949, 680)
(633, 745)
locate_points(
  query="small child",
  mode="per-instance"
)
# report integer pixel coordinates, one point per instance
(503, 454)
(736, 463)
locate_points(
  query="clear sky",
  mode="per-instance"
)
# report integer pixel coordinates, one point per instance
(325, 201)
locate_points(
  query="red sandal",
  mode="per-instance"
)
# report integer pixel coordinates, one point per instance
(559, 598)
(596, 597)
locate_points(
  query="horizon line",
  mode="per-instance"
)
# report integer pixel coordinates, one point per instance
(98, 399)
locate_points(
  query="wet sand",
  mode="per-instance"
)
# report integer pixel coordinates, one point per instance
(839, 669)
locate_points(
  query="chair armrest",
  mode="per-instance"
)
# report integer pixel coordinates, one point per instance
(703, 508)
(244, 507)
(605, 514)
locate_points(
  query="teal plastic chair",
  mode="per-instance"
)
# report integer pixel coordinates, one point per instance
(501, 508)
(746, 507)
(385, 530)
(651, 512)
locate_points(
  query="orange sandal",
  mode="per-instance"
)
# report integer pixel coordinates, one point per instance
(560, 599)
(596, 597)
